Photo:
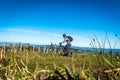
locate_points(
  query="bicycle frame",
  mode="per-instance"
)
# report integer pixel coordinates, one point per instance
(61, 50)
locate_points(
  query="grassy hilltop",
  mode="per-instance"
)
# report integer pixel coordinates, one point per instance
(26, 64)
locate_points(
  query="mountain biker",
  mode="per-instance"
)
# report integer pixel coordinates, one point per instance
(67, 46)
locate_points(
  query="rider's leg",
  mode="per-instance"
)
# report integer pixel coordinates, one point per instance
(67, 52)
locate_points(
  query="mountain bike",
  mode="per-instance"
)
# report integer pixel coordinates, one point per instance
(61, 50)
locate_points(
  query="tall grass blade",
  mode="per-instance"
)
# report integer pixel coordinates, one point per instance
(68, 74)
(90, 75)
(58, 73)
(108, 62)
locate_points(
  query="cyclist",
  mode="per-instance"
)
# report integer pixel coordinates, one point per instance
(67, 46)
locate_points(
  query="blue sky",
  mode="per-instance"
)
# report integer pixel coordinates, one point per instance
(44, 21)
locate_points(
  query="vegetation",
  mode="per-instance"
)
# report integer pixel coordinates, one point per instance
(29, 65)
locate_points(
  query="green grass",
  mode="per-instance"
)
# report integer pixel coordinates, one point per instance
(29, 65)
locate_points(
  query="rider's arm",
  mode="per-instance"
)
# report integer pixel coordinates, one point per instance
(65, 40)
(62, 41)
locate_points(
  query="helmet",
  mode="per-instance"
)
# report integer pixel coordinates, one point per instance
(64, 35)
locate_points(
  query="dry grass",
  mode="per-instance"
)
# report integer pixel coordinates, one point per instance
(28, 65)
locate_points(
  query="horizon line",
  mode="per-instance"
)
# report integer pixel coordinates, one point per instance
(54, 44)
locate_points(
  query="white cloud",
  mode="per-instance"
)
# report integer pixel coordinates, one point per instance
(77, 37)
(33, 32)
(23, 30)
(53, 34)
(80, 41)
(44, 38)
(32, 36)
